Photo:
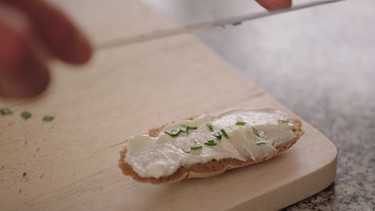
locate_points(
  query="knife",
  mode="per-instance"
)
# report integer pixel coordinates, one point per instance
(203, 25)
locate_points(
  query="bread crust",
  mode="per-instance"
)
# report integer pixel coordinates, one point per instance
(208, 169)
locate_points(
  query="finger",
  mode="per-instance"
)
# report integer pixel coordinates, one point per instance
(62, 37)
(28, 80)
(275, 4)
(21, 73)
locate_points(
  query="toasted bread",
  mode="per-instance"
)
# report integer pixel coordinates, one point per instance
(213, 166)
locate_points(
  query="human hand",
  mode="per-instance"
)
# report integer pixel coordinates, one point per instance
(275, 4)
(31, 33)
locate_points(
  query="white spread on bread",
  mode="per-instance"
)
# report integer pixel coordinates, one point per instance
(255, 136)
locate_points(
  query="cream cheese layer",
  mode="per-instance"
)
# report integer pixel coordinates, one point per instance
(241, 134)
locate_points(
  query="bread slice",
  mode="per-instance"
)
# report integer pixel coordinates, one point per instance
(212, 167)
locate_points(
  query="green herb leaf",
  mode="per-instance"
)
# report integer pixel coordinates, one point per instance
(282, 121)
(241, 123)
(255, 131)
(217, 135)
(210, 127)
(188, 128)
(189, 149)
(192, 127)
(174, 132)
(183, 128)
(6, 111)
(48, 118)
(225, 134)
(196, 147)
(26, 115)
(260, 142)
(210, 143)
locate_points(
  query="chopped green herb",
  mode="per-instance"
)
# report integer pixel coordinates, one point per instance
(255, 131)
(5, 111)
(183, 128)
(190, 128)
(210, 143)
(237, 23)
(196, 147)
(217, 135)
(189, 149)
(225, 134)
(48, 118)
(241, 123)
(260, 142)
(26, 115)
(177, 131)
(210, 127)
(174, 132)
(282, 121)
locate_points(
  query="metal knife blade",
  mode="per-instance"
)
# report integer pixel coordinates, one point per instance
(203, 25)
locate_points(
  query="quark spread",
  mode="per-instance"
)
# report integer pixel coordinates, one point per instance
(239, 133)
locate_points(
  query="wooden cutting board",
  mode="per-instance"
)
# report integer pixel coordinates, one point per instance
(71, 162)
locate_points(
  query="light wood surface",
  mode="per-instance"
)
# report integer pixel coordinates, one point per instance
(71, 162)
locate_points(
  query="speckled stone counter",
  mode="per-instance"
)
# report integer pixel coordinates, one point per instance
(320, 63)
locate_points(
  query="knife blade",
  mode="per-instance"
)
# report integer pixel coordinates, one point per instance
(195, 27)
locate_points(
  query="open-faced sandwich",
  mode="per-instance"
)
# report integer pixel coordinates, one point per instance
(208, 145)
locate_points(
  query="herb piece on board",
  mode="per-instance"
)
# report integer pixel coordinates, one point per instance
(241, 123)
(282, 121)
(48, 118)
(225, 134)
(26, 115)
(237, 23)
(6, 111)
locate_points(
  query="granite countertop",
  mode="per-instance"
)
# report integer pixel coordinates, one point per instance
(319, 62)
